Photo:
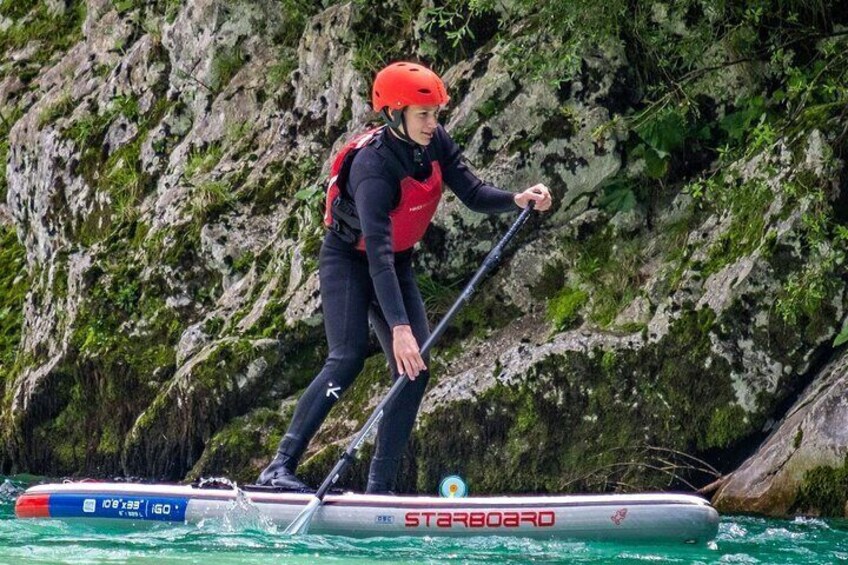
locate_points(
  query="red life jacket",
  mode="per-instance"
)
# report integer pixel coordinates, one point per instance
(415, 210)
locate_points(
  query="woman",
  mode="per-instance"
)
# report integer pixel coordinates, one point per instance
(381, 207)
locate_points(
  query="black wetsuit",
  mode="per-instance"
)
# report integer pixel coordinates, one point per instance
(379, 285)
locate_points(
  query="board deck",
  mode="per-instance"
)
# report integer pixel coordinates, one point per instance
(657, 517)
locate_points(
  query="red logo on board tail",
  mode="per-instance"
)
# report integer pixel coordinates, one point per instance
(619, 516)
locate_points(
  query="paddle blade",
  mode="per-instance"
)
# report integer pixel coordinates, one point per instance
(300, 525)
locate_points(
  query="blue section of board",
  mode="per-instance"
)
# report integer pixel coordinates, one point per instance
(134, 507)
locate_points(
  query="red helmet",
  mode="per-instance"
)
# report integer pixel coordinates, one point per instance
(403, 84)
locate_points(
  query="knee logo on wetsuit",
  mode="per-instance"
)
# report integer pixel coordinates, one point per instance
(333, 391)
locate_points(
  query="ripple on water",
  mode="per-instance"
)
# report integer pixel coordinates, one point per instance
(738, 558)
(731, 530)
(772, 535)
(811, 522)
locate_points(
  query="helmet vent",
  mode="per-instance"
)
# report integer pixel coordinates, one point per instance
(425, 91)
(413, 70)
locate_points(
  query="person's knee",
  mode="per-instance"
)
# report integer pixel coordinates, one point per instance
(345, 368)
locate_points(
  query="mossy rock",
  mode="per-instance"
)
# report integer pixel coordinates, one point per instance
(121, 348)
(242, 448)
(222, 382)
(563, 309)
(39, 25)
(824, 492)
(13, 286)
(79, 437)
(590, 421)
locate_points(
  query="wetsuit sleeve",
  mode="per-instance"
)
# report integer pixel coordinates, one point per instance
(473, 192)
(374, 197)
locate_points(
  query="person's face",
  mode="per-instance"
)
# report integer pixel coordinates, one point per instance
(421, 122)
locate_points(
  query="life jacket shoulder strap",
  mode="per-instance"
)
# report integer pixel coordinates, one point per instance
(340, 170)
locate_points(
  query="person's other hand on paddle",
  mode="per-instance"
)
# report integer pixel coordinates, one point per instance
(538, 193)
(407, 352)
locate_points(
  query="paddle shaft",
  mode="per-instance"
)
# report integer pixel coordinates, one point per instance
(491, 261)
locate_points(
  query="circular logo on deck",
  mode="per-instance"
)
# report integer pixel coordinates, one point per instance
(453, 487)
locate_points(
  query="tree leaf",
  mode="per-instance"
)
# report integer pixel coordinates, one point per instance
(737, 124)
(843, 335)
(656, 165)
(664, 133)
(618, 197)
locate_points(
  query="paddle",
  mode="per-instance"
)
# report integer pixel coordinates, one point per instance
(300, 525)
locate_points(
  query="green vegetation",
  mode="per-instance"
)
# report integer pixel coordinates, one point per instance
(125, 181)
(214, 391)
(243, 447)
(799, 437)
(296, 13)
(174, 246)
(123, 350)
(6, 122)
(279, 73)
(119, 174)
(239, 135)
(285, 180)
(604, 414)
(298, 181)
(747, 206)
(449, 32)
(225, 64)
(286, 38)
(563, 308)
(486, 312)
(452, 30)
(675, 134)
(807, 291)
(601, 277)
(672, 39)
(727, 425)
(271, 322)
(14, 284)
(209, 200)
(842, 338)
(117, 297)
(437, 295)
(166, 8)
(824, 491)
(61, 107)
(243, 263)
(35, 21)
(202, 160)
(379, 41)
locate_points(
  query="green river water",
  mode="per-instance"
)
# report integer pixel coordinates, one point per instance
(244, 538)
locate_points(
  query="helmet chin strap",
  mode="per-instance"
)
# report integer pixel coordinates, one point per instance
(397, 122)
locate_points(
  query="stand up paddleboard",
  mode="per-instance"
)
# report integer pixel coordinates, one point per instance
(619, 517)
